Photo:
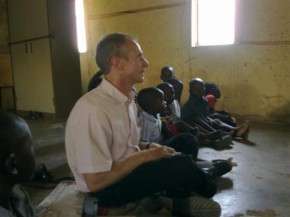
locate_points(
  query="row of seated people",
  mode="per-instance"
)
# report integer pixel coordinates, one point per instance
(160, 119)
(17, 162)
(216, 128)
(200, 107)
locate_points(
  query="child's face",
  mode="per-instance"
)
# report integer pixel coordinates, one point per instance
(159, 105)
(167, 75)
(197, 90)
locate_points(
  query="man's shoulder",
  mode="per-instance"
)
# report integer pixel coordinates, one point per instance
(97, 97)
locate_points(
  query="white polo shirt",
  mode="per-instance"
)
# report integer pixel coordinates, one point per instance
(100, 130)
(150, 127)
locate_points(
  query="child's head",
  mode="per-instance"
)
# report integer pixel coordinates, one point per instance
(196, 87)
(167, 72)
(177, 85)
(212, 88)
(151, 100)
(168, 90)
(17, 162)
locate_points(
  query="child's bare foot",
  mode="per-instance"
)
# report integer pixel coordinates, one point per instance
(244, 129)
(221, 167)
(230, 161)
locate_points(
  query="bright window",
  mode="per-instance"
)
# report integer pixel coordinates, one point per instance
(213, 22)
(80, 21)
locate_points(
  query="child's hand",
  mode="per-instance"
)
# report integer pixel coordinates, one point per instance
(230, 160)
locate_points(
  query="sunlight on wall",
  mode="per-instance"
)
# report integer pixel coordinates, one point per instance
(80, 21)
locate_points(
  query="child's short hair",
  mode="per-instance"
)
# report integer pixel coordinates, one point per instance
(212, 88)
(165, 87)
(147, 96)
(10, 133)
(166, 73)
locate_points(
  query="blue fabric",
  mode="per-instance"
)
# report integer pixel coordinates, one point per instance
(194, 109)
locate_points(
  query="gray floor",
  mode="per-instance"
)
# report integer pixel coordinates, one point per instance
(258, 186)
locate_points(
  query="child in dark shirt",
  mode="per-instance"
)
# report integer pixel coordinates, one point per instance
(178, 87)
(171, 116)
(212, 93)
(196, 111)
(17, 164)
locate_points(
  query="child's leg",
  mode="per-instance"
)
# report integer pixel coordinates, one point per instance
(182, 127)
(185, 143)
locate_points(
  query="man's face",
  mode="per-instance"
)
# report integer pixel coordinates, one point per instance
(135, 64)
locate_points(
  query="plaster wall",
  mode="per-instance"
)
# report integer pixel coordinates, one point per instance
(253, 74)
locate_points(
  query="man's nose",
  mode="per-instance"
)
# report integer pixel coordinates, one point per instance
(145, 62)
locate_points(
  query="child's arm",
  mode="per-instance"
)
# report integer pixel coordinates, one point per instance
(181, 126)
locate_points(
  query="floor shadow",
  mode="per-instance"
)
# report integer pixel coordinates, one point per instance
(49, 150)
(247, 142)
(224, 183)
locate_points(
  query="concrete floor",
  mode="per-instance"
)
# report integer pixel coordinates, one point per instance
(258, 186)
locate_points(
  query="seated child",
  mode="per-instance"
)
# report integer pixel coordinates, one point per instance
(212, 93)
(17, 164)
(151, 101)
(178, 87)
(172, 110)
(171, 116)
(167, 72)
(196, 110)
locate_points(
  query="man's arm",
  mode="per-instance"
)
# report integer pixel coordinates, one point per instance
(101, 180)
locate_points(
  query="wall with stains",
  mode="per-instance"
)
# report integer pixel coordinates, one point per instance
(253, 74)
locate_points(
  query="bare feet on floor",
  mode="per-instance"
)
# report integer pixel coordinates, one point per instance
(244, 130)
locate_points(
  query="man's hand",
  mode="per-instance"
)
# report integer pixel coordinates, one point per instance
(159, 151)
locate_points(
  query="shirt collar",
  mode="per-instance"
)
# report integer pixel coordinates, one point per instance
(150, 117)
(115, 93)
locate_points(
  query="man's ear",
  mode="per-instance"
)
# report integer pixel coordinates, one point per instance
(10, 164)
(117, 62)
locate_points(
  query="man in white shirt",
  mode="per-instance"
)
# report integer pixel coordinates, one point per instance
(102, 137)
